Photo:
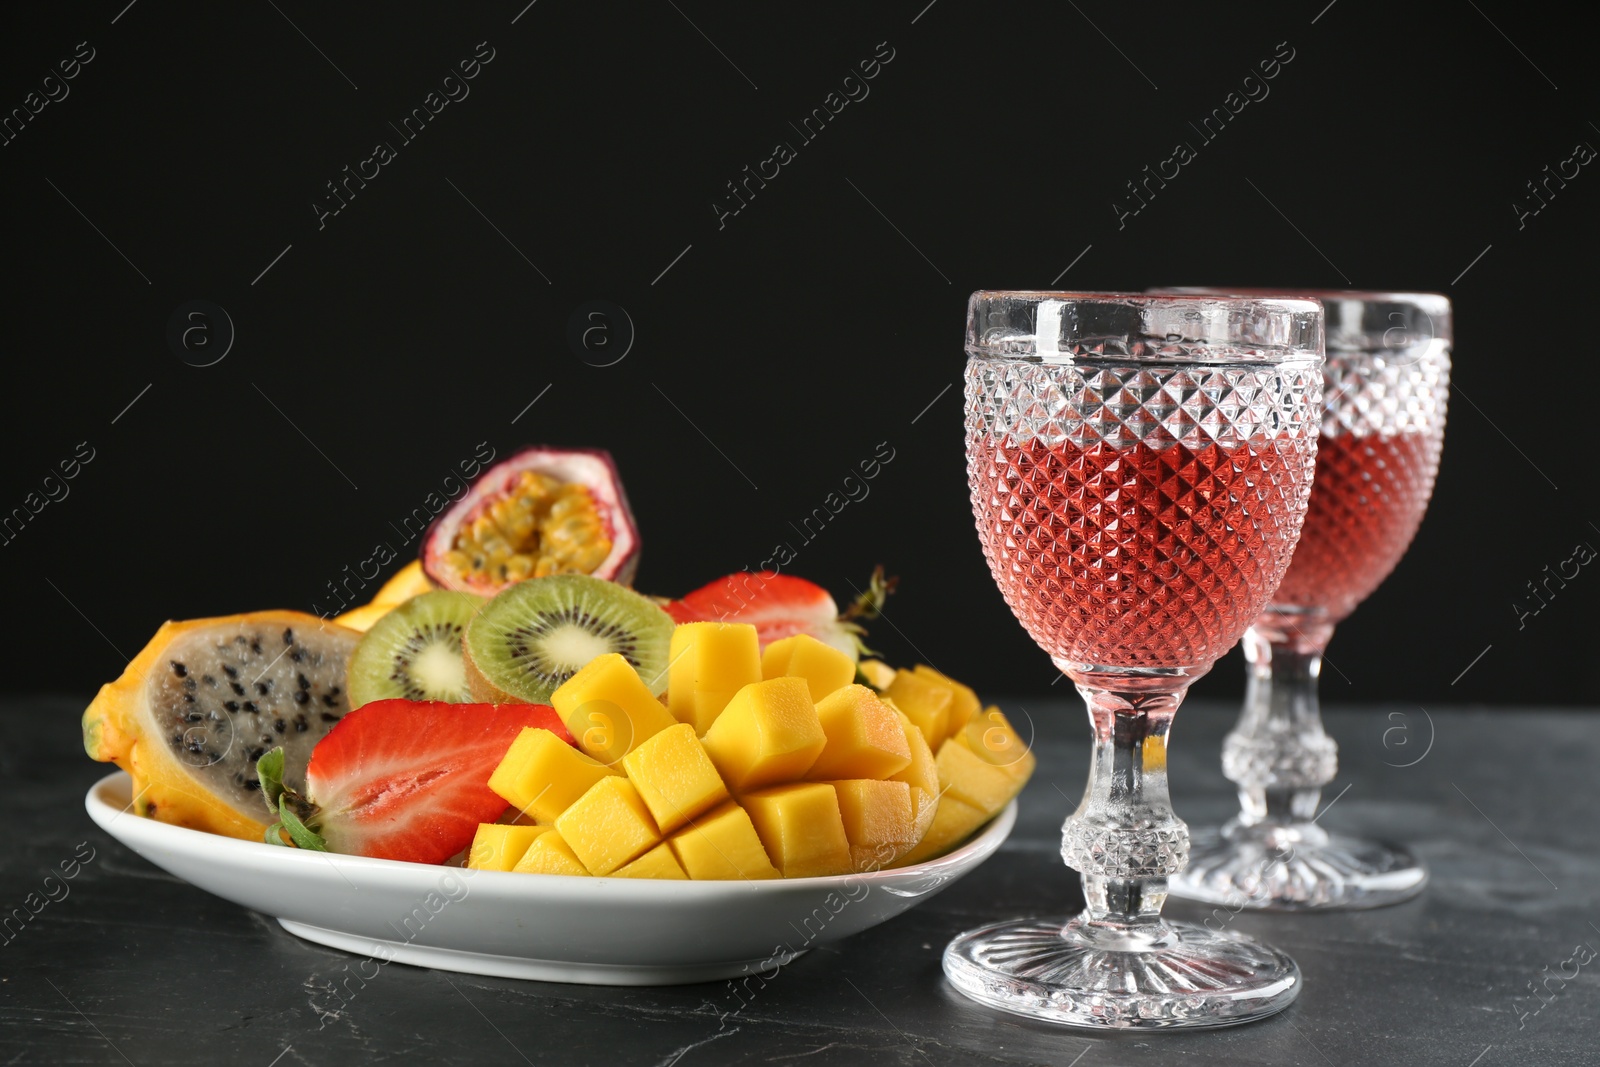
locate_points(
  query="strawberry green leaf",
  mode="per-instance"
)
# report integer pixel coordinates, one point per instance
(299, 833)
(269, 770)
(869, 605)
(274, 835)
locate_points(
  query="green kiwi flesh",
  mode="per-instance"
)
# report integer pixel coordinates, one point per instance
(536, 634)
(414, 652)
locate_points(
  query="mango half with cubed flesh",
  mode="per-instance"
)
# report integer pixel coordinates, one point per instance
(763, 781)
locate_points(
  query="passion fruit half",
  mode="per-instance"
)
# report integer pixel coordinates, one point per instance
(540, 512)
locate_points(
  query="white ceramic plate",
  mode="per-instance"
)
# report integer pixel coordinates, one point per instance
(554, 928)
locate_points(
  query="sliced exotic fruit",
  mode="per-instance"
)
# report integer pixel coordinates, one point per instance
(414, 652)
(780, 606)
(196, 709)
(408, 581)
(527, 641)
(541, 512)
(401, 779)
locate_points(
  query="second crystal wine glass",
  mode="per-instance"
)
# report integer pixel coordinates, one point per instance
(1139, 468)
(1387, 384)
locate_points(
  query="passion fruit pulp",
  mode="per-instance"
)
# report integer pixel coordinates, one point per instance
(540, 512)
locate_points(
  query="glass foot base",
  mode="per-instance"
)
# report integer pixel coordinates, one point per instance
(1178, 976)
(1280, 869)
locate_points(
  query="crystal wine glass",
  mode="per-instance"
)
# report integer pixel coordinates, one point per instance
(1139, 468)
(1387, 382)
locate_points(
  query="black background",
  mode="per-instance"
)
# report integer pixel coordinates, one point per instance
(780, 348)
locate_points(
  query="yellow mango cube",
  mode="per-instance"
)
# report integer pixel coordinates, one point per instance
(993, 739)
(659, 862)
(498, 846)
(879, 821)
(801, 829)
(953, 823)
(923, 771)
(971, 779)
(925, 701)
(541, 774)
(922, 775)
(768, 733)
(865, 737)
(709, 662)
(550, 854)
(675, 777)
(608, 709)
(964, 703)
(722, 845)
(877, 673)
(608, 826)
(924, 806)
(824, 667)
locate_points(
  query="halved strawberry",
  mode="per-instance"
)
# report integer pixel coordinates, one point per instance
(404, 779)
(780, 605)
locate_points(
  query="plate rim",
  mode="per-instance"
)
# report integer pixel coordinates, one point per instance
(167, 836)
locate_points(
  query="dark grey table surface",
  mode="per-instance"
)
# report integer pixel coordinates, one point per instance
(135, 966)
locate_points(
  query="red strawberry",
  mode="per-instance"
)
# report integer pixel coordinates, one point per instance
(407, 780)
(779, 606)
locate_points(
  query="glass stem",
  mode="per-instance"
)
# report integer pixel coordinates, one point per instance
(1124, 838)
(1278, 754)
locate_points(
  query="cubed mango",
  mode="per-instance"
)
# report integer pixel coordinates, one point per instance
(541, 774)
(498, 846)
(824, 667)
(659, 862)
(879, 821)
(924, 806)
(722, 845)
(964, 703)
(877, 673)
(922, 772)
(801, 829)
(608, 826)
(865, 737)
(674, 776)
(925, 701)
(973, 780)
(608, 709)
(922, 775)
(992, 738)
(953, 822)
(768, 733)
(709, 662)
(550, 854)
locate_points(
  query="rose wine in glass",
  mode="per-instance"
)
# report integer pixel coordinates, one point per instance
(1387, 380)
(1139, 468)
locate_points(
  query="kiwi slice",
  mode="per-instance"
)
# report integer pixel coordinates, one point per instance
(414, 652)
(536, 634)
